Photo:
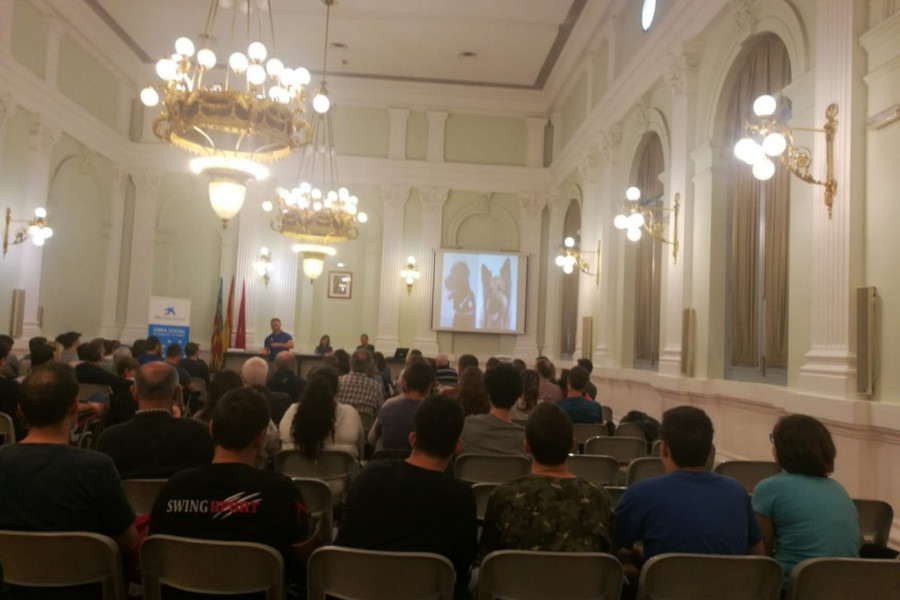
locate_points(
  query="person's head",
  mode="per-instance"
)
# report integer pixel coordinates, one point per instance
(314, 420)
(254, 372)
(549, 435)
(126, 366)
(42, 355)
(492, 363)
(223, 382)
(439, 421)
(412, 356)
(687, 434)
(110, 346)
(36, 342)
(343, 361)
(471, 394)
(69, 339)
(531, 383)
(93, 352)
(586, 364)
(285, 360)
(5, 347)
(364, 339)
(328, 373)
(239, 420)
(465, 361)
(418, 378)
(156, 383)
(563, 381)
(275, 324)
(192, 349)
(361, 361)
(545, 369)
(82, 352)
(803, 445)
(57, 350)
(380, 362)
(121, 352)
(520, 365)
(442, 360)
(504, 385)
(173, 353)
(578, 379)
(48, 396)
(325, 341)
(139, 347)
(154, 346)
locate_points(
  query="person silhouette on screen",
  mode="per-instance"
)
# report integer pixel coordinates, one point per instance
(462, 296)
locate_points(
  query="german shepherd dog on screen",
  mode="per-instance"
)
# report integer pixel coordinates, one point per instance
(497, 290)
(462, 296)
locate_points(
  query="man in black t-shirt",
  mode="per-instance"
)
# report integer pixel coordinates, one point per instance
(413, 505)
(230, 499)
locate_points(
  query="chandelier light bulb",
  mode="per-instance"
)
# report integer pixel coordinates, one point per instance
(620, 222)
(635, 221)
(317, 206)
(332, 195)
(749, 151)
(257, 51)
(267, 206)
(166, 69)
(40, 212)
(302, 75)
(34, 230)
(238, 62)
(570, 260)
(410, 260)
(47, 232)
(362, 217)
(37, 240)
(303, 202)
(764, 106)
(774, 144)
(321, 103)
(560, 260)
(256, 74)
(316, 194)
(184, 46)
(274, 67)
(354, 200)
(149, 97)
(567, 269)
(633, 193)
(305, 187)
(206, 58)
(633, 234)
(764, 169)
(344, 193)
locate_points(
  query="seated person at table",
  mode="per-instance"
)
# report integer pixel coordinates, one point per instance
(324, 348)
(579, 408)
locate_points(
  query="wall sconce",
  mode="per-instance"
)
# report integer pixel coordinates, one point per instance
(410, 273)
(641, 216)
(777, 139)
(263, 264)
(37, 229)
(571, 257)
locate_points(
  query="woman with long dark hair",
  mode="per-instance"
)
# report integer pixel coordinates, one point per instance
(521, 410)
(470, 392)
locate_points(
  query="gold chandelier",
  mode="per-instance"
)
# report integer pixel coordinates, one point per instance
(639, 213)
(317, 212)
(252, 113)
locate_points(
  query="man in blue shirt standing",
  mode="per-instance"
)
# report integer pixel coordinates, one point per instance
(277, 341)
(579, 408)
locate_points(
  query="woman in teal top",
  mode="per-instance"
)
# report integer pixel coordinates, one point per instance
(803, 513)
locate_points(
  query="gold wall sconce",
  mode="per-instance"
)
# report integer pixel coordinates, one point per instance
(37, 229)
(639, 216)
(410, 273)
(572, 257)
(263, 264)
(770, 138)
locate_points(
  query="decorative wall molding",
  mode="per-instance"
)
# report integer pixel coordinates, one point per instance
(681, 74)
(610, 141)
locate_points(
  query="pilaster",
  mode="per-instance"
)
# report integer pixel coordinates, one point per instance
(606, 207)
(531, 210)
(109, 327)
(146, 198)
(432, 200)
(553, 313)
(437, 127)
(534, 156)
(248, 225)
(393, 198)
(397, 145)
(589, 165)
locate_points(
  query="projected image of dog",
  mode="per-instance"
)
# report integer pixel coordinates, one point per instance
(462, 296)
(497, 290)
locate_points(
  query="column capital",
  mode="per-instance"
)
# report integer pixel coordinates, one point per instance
(120, 181)
(681, 73)
(744, 16)
(589, 164)
(146, 182)
(610, 140)
(394, 198)
(532, 204)
(43, 135)
(433, 198)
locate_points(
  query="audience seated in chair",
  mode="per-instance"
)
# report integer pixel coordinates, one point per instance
(397, 417)
(551, 509)
(579, 408)
(357, 388)
(445, 375)
(255, 374)
(156, 443)
(548, 390)
(802, 512)
(413, 505)
(523, 407)
(590, 389)
(193, 364)
(495, 433)
(152, 351)
(230, 500)
(93, 370)
(470, 392)
(285, 379)
(69, 342)
(9, 393)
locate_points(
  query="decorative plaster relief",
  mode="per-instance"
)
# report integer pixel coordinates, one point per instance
(433, 198)
(589, 164)
(681, 72)
(394, 198)
(43, 135)
(610, 141)
(744, 15)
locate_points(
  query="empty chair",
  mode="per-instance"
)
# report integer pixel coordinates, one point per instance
(692, 576)
(623, 449)
(559, 575)
(748, 472)
(62, 559)
(585, 431)
(490, 468)
(630, 430)
(320, 503)
(875, 519)
(482, 493)
(607, 413)
(615, 492)
(644, 468)
(210, 567)
(597, 469)
(7, 430)
(842, 578)
(372, 575)
(334, 467)
(142, 493)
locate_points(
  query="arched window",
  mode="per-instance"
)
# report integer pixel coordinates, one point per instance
(759, 223)
(569, 324)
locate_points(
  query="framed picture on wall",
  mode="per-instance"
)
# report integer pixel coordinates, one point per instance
(340, 284)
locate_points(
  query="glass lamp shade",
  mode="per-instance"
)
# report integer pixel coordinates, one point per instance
(321, 103)
(633, 193)
(635, 221)
(567, 269)
(313, 265)
(634, 234)
(149, 97)
(764, 106)
(764, 169)
(569, 242)
(226, 197)
(560, 260)
(774, 144)
(748, 151)
(620, 222)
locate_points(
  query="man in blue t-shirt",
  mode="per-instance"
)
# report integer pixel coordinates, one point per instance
(579, 408)
(277, 341)
(689, 509)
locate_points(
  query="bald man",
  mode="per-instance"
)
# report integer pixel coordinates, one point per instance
(156, 443)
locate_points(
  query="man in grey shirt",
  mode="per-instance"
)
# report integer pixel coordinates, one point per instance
(495, 433)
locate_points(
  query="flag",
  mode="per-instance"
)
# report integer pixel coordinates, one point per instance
(217, 351)
(240, 339)
(226, 335)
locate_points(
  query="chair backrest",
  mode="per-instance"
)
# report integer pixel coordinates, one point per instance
(630, 430)
(585, 431)
(644, 468)
(142, 493)
(691, 576)
(559, 575)
(615, 492)
(748, 472)
(601, 470)
(710, 460)
(210, 567)
(482, 493)
(334, 467)
(373, 575)
(62, 559)
(842, 578)
(875, 520)
(623, 449)
(367, 420)
(87, 390)
(7, 430)
(607, 413)
(490, 468)
(320, 503)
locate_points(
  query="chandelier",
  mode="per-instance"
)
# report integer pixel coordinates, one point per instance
(317, 213)
(571, 257)
(251, 113)
(639, 213)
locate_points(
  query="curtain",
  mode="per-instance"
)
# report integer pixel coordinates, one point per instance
(648, 279)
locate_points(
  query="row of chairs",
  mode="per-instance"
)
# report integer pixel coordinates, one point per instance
(240, 567)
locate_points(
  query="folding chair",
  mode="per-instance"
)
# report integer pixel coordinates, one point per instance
(559, 575)
(623, 449)
(875, 520)
(334, 467)
(607, 413)
(692, 576)
(141, 493)
(490, 468)
(373, 575)
(602, 470)
(585, 431)
(615, 492)
(320, 503)
(842, 578)
(748, 472)
(47, 560)
(644, 468)
(630, 430)
(482, 493)
(7, 430)
(367, 421)
(210, 567)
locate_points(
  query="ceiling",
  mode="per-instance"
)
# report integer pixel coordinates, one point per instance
(517, 42)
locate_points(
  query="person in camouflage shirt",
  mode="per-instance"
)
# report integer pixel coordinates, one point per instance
(550, 509)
